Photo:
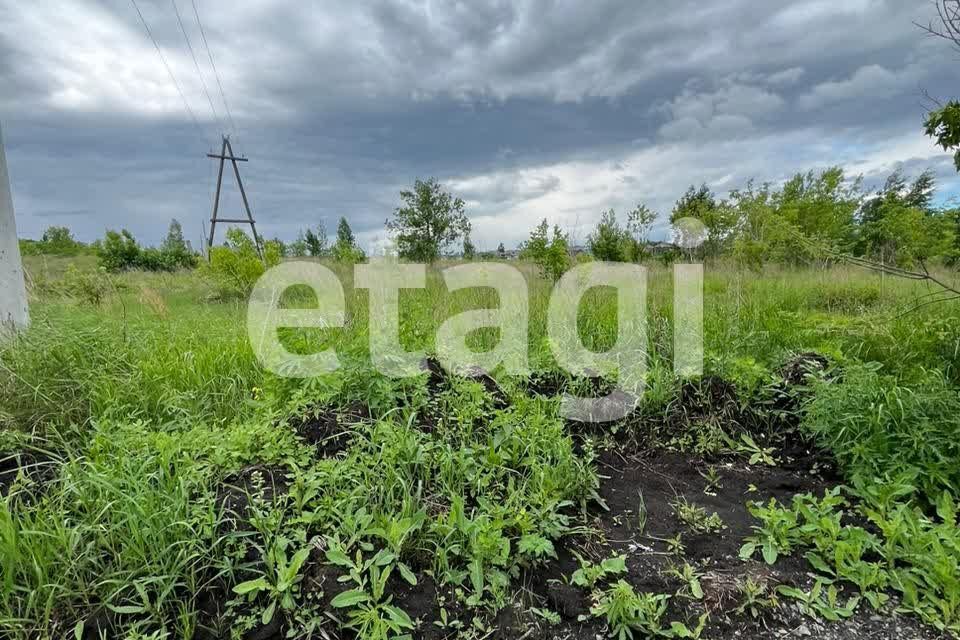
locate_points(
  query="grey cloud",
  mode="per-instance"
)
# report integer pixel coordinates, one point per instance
(528, 108)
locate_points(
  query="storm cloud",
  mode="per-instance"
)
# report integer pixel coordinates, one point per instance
(527, 109)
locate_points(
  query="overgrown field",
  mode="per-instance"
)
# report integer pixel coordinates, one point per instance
(157, 483)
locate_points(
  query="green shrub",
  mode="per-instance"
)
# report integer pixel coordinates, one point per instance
(118, 251)
(877, 428)
(121, 252)
(236, 266)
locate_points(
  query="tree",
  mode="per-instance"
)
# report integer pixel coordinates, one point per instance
(345, 249)
(717, 217)
(639, 224)
(552, 256)
(118, 251)
(535, 248)
(469, 251)
(428, 221)
(316, 241)
(898, 225)
(174, 242)
(609, 241)
(236, 266)
(59, 240)
(298, 248)
(943, 123)
(175, 252)
(345, 233)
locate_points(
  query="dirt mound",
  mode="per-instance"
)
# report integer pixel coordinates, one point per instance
(799, 368)
(438, 380)
(238, 490)
(330, 429)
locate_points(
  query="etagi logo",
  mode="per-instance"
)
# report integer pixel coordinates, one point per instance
(383, 277)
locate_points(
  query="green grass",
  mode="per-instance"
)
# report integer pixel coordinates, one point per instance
(150, 399)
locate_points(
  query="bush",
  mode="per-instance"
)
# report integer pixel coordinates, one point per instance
(86, 286)
(552, 256)
(56, 241)
(118, 251)
(121, 252)
(877, 428)
(236, 266)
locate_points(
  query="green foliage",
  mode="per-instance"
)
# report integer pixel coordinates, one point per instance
(118, 251)
(469, 251)
(345, 249)
(639, 224)
(609, 241)
(590, 573)
(821, 603)
(625, 612)
(877, 427)
(315, 242)
(121, 252)
(371, 613)
(56, 241)
(696, 517)
(551, 255)
(943, 125)
(718, 218)
(148, 414)
(428, 221)
(918, 555)
(278, 581)
(898, 225)
(90, 287)
(236, 266)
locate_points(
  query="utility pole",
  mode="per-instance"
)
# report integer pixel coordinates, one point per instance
(226, 153)
(13, 292)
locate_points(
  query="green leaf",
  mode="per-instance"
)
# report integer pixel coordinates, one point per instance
(268, 612)
(383, 558)
(407, 574)
(769, 552)
(696, 590)
(747, 550)
(476, 576)
(616, 564)
(818, 563)
(338, 557)
(251, 585)
(399, 616)
(126, 609)
(350, 598)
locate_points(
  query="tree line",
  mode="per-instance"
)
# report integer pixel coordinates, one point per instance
(813, 215)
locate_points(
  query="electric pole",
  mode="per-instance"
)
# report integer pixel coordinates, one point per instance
(223, 157)
(13, 292)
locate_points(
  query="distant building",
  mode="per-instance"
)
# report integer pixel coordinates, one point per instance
(659, 248)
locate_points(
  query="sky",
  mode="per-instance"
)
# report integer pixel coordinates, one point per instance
(527, 109)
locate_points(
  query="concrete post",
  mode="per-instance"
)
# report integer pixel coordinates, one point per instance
(13, 293)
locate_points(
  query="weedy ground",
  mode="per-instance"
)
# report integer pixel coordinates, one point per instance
(157, 483)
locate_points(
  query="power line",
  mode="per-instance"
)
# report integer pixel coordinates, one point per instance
(195, 63)
(167, 66)
(216, 75)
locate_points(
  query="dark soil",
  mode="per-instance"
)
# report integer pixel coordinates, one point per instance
(35, 470)
(257, 482)
(637, 476)
(800, 367)
(662, 478)
(330, 429)
(438, 380)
